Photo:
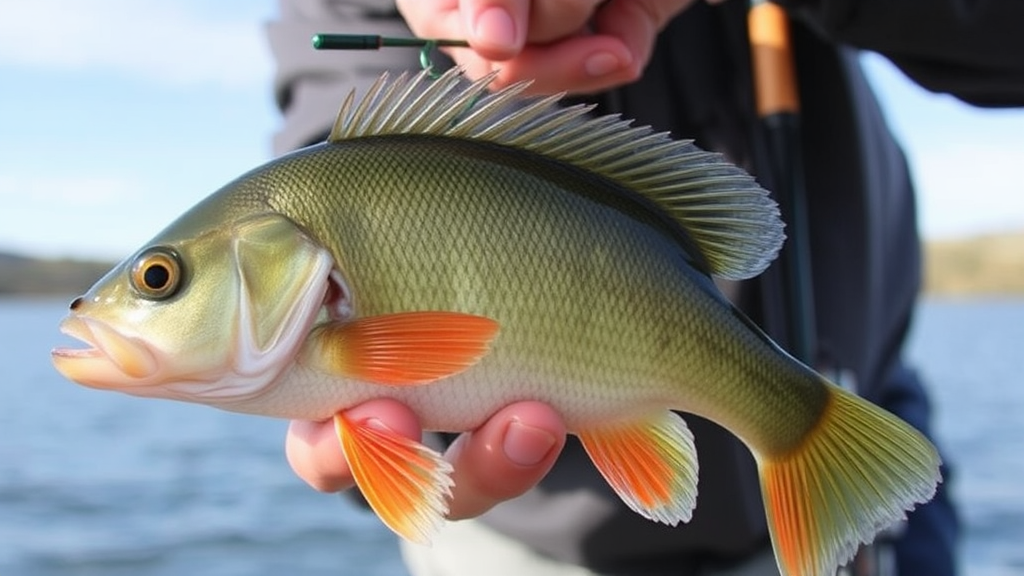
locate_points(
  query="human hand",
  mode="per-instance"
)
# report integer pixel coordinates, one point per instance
(575, 46)
(503, 458)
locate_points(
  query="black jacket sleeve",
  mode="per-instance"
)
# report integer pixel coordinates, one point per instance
(972, 49)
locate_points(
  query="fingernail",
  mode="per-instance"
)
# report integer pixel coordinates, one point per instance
(495, 26)
(602, 63)
(525, 445)
(377, 424)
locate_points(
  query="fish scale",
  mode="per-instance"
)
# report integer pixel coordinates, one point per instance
(398, 268)
(515, 250)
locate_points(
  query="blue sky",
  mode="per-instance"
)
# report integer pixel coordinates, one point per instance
(118, 115)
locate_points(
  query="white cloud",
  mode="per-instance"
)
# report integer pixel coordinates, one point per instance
(177, 43)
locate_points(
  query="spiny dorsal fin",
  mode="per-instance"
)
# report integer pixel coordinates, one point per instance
(728, 215)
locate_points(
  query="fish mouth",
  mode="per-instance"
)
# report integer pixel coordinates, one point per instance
(110, 360)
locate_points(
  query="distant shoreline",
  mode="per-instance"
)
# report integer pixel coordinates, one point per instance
(984, 265)
(38, 277)
(990, 265)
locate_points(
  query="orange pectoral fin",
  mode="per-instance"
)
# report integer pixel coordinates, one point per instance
(405, 483)
(651, 464)
(406, 348)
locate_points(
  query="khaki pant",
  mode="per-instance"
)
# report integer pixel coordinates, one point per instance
(469, 548)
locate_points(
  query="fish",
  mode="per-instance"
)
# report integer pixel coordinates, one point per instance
(459, 249)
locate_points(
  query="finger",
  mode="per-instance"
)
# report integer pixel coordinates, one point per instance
(495, 29)
(432, 18)
(503, 458)
(578, 65)
(498, 29)
(614, 53)
(637, 23)
(314, 451)
(551, 21)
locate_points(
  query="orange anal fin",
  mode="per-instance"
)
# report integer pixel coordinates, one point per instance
(404, 482)
(857, 472)
(407, 348)
(651, 464)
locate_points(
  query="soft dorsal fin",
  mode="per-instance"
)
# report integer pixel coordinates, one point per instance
(729, 216)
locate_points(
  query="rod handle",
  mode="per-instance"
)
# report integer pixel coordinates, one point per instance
(772, 58)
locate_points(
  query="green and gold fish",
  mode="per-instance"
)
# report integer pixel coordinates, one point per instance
(459, 250)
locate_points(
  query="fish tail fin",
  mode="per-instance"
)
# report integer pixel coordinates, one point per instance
(857, 472)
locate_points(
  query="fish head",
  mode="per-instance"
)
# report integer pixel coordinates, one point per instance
(207, 314)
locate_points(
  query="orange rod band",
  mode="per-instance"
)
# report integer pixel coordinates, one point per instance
(772, 58)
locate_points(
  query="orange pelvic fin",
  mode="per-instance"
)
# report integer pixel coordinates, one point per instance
(856, 473)
(407, 348)
(405, 483)
(651, 464)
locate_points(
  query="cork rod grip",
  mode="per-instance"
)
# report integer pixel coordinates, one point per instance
(772, 55)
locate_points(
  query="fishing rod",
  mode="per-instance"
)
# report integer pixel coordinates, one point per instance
(778, 109)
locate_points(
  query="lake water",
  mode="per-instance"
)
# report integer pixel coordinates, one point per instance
(95, 483)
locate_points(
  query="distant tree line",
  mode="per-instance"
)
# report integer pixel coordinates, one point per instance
(992, 264)
(30, 276)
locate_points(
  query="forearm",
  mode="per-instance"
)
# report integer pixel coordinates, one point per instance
(973, 50)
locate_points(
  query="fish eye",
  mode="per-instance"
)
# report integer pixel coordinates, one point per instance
(157, 273)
